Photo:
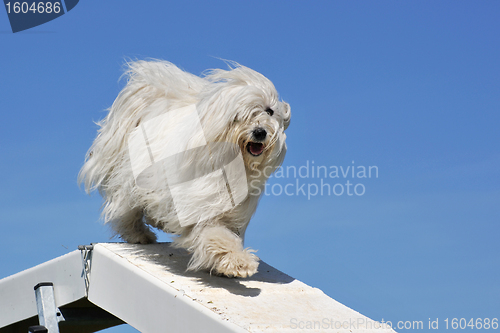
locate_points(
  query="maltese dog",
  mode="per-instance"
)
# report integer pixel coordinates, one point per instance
(190, 156)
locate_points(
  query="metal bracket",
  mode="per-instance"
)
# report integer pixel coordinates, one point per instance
(86, 251)
(48, 314)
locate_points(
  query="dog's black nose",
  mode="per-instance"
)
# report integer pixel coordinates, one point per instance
(259, 134)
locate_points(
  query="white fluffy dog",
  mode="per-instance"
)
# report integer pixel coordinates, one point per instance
(239, 107)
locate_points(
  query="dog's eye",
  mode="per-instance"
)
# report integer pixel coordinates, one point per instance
(270, 111)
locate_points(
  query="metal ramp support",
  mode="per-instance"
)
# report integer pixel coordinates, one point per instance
(48, 314)
(18, 303)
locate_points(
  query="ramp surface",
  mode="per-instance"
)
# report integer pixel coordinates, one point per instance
(147, 286)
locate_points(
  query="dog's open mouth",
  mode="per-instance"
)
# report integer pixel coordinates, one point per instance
(255, 148)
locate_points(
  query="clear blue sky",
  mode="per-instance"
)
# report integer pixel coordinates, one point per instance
(411, 87)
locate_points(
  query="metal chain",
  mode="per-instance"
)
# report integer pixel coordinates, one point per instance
(86, 251)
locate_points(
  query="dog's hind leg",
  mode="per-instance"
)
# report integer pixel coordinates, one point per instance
(131, 228)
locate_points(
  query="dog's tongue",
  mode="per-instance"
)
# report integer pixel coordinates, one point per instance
(256, 148)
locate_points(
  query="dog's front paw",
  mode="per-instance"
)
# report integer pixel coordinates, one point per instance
(237, 264)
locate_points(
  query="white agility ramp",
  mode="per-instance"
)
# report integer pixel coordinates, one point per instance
(147, 286)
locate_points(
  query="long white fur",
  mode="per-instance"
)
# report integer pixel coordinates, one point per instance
(231, 104)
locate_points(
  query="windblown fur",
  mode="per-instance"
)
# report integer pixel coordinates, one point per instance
(239, 106)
